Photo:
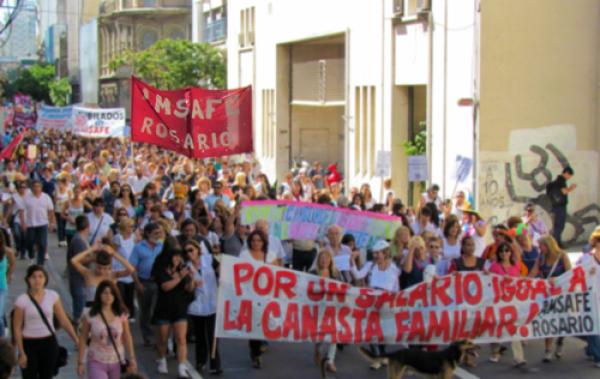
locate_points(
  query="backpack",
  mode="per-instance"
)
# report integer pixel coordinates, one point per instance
(554, 194)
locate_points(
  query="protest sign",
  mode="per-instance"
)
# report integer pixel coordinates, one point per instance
(418, 171)
(24, 111)
(383, 164)
(98, 123)
(195, 122)
(58, 118)
(9, 150)
(309, 221)
(259, 301)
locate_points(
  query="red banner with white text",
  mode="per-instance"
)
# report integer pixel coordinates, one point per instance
(195, 122)
(260, 301)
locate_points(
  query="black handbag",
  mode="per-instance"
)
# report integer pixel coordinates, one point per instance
(123, 364)
(63, 355)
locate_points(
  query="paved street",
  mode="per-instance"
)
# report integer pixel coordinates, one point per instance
(295, 361)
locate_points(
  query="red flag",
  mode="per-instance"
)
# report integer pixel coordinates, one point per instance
(9, 150)
(195, 122)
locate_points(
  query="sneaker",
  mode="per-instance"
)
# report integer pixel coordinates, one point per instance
(162, 366)
(547, 357)
(182, 371)
(62, 243)
(256, 363)
(375, 365)
(216, 371)
(558, 351)
(494, 358)
(597, 364)
(330, 367)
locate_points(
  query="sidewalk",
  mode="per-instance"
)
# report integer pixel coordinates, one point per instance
(56, 267)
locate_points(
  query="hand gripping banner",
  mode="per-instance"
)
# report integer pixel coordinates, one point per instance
(195, 122)
(259, 301)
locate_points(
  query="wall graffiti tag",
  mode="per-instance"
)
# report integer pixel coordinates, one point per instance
(538, 178)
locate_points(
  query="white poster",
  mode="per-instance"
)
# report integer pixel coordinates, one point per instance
(99, 122)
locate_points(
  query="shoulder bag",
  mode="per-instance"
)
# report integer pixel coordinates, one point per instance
(62, 358)
(124, 364)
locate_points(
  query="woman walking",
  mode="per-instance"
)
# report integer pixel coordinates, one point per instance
(175, 282)
(34, 334)
(7, 265)
(106, 327)
(203, 309)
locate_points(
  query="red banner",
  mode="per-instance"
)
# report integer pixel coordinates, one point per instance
(195, 122)
(9, 150)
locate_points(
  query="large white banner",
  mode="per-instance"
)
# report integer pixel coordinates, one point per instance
(259, 301)
(99, 122)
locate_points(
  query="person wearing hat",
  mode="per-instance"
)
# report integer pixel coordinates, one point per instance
(593, 259)
(380, 273)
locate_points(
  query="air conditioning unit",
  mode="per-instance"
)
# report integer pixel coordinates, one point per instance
(423, 6)
(398, 8)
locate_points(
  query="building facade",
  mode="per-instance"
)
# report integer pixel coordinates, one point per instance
(21, 43)
(365, 76)
(134, 25)
(209, 22)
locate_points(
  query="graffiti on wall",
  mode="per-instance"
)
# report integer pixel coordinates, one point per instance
(511, 179)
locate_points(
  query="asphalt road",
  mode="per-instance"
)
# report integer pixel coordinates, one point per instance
(295, 361)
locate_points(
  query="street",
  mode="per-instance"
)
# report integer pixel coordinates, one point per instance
(295, 361)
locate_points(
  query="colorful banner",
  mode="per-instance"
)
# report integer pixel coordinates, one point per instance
(259, 301)
(99, 123)
(309, 221)
(195, 122)
(9, 150)
(24, 111)
(58, 118)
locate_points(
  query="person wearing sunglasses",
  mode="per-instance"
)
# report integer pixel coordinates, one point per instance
(507, 263)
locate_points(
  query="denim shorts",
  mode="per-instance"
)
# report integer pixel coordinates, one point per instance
(168, 322)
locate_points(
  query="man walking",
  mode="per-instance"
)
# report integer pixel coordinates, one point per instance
(39, 217)
(558, 192)
(78, 245)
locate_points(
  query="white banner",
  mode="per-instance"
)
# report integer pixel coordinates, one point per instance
(98, 122)
(259, 301)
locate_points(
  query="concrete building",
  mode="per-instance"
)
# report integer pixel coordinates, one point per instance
(209, 22)
(21, 43)
(339, 80)
(134, 25)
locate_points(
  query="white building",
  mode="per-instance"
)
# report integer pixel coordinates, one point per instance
(340, 80)
(209, 21)
(21, 43)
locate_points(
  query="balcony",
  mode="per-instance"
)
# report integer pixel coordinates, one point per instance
(215, 31)
(142, 6)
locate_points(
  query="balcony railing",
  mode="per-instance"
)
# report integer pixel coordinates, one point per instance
(215, 31)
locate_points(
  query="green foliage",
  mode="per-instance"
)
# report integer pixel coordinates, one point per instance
(172, 64)
(35, 81)
(418, 146)
(60, 92)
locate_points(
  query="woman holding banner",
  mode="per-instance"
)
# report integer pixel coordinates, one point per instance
(552, 262)
(325, 267)
(380, 273)
(415, 262)
(258, 250)
(508, 263)
(467, 261)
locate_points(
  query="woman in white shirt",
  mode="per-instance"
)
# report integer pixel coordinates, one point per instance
(451, 238)
(382, 274)
(258, 250)
(124, 242)
(203, 309)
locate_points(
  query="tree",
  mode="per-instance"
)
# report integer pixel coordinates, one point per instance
(60, 92)
(35, 81)
(172, 64)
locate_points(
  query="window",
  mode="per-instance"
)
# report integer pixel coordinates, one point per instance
(246, 36)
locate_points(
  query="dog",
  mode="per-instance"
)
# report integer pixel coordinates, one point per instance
(429, 364)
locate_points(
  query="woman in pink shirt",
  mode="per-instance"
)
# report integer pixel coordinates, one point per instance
(36, 343)
(508, 263)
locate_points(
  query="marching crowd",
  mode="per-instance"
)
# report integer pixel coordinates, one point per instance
(144, 230)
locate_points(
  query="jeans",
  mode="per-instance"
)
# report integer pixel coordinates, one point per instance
(42, 354)
(303, 260)
(37, 237)
(127, 293)
(560, 218)
(593, 347)
(20, 240)
(147, 302)
(97, 370)
(61, 223)
(78, 297)
(331, 350)
(204, 329)
(3, 293)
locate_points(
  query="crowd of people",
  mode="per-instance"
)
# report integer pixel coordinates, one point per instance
(144, 230)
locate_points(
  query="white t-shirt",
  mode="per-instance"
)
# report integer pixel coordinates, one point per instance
(19, 205)
(276, 246)
(124, 248)
(386, 279)
(588, 259)
(451, 251)
(34, 326)
(138, 184)
(37, 208)
(102, 228)
(271, 256)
